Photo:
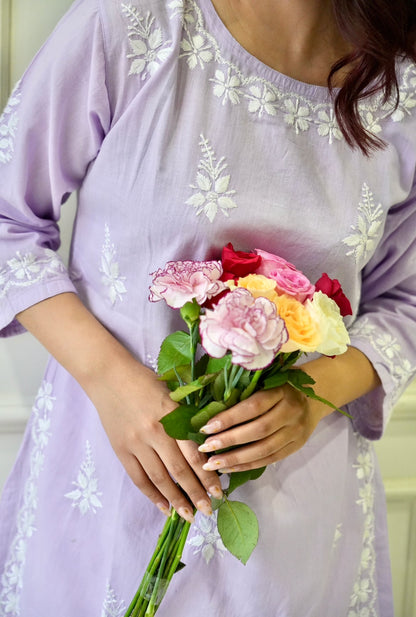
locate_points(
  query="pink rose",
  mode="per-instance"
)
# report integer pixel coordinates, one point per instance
(248, 327)
(270, 262)
(182, 281)
(293, 283)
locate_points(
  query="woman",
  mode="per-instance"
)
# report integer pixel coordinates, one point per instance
(185, 124)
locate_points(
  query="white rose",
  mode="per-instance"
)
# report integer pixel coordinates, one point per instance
(335, 337)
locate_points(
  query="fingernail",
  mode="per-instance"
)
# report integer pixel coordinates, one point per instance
(186, 514)
(210, 446)
(227, 470)
(212, 427)
(163, 509)
(213, 465)
(216, 492)
(204, 507)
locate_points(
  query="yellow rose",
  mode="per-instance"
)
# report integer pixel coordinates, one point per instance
(302, 326)
(259, 286)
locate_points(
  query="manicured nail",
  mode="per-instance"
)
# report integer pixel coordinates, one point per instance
(212, 427)
(204, 507)
(227, 470)
(186, 514)
(216, 492)
(213, 465)
(210, 446)
(163, 509)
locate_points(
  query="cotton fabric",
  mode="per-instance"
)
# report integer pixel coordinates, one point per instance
(179, 141)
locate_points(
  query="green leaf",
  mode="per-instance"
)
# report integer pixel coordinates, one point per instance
(205, 414)
(238, 528)
(198, 438)
(184, 391)
(174, 351)
(277, 380)
(177, 423)
(237, 478)
(217, 364)
(180, 566)
(298, 377)
(216, 503)
(183, 371)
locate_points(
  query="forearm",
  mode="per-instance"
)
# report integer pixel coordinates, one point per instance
(341, 379)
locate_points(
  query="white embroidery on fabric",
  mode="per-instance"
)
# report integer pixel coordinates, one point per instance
(112, 607)
(151, 362)
(206, 539)
(367, 230)
(212, 185)
(337, 536)
(9, 120)
(24, 270)
(12, 578)
(149, 49)
(264, 98)
(110, 270)
(86, 495)
(400, 369)
(364, 595)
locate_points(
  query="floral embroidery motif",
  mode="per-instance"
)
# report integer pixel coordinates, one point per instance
(368, 229)
(337, 536)
(399, 368)
(364, 595)
(112, 606)
(8, 126)
(12, 578)
(212, 185)
(206, 540)
(86, 495)
(146, 41)
(28, 269)
(264, 98)
(110, 270)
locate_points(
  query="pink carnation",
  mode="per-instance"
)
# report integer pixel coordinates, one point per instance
(182, 281)
(270, 262)
(248, 327)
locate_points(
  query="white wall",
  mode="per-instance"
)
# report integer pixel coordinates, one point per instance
(24, 24)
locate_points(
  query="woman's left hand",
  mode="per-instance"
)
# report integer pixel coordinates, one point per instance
(268, 426)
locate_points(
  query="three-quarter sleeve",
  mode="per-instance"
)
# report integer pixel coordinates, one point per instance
(385, 329)
(50, 132)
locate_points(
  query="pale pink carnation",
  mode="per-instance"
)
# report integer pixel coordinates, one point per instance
(182, 281)
(270, 262)
(248, 327)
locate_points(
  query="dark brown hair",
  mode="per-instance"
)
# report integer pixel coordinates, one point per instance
(380, 32)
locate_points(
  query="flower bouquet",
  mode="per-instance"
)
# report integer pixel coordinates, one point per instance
(249, 317)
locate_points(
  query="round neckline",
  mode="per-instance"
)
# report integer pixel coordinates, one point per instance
(285, 82)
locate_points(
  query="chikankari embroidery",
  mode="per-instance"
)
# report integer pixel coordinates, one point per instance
(112, 607)
(8, 126)
(12, 578)
(86, 496)
(110, 270)
(212, 185)
(264, 98)
(26, 269)
(205, 539)
(368, 229)
(364, 595)
(148, 47)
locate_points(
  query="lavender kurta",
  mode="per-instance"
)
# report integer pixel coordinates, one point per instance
(179, 141)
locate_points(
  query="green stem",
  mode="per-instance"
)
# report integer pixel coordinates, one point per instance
(251, 386)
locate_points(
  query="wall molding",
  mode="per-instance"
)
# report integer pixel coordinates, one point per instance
(5, 32)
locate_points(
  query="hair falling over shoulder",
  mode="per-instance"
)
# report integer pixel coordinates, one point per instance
(380, 32)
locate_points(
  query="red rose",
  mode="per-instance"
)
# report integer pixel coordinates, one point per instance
(238, 263)
(332, 288)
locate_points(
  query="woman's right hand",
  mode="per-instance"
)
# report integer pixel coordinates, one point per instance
(130, 402)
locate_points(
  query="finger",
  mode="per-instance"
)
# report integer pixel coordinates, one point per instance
(209, 479)
(247, 410)
(255, 451)
(143, 482)
(284, 452)
(265, 425)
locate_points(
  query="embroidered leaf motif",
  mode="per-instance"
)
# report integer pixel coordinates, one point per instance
(110, 270)
(24, 270)
(212, 185)
(367, 230)
(9, 120)
(205, 539)
(112, 606)
(86, 495)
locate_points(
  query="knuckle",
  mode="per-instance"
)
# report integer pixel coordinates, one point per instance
(178, 469)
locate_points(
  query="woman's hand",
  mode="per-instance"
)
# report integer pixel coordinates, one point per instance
(268, 426)
(130, 402)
